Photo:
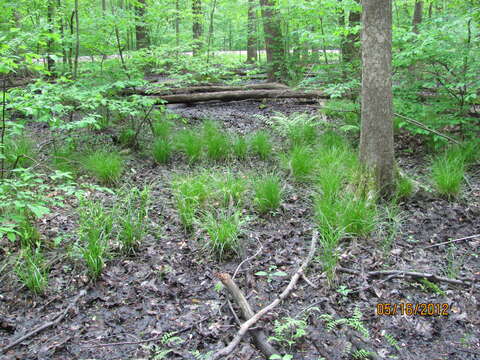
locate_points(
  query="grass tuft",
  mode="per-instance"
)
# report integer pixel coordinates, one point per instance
(448, 171)
(106, 167)
(240, 147)
(32, 270)
(268, 193)
(162, 150)
(190, 143)
(261, 144)
(216, 141)
(301, 163)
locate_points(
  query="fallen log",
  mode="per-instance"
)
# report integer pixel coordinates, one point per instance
(240, 95)
(146, 91)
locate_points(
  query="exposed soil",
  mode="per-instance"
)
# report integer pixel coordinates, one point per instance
(169, 284)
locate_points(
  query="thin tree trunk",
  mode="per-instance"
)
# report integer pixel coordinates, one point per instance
(251, 33)
(177, 24)
(417, 16)
(376, 140)
(77, 46)
(70, 45)
(140, 28)
(273, 40)
(197, 26)
(50, 44)
(210, 29)
(323, 41)
(350, 48)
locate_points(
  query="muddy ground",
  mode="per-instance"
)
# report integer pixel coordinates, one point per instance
(169, 284)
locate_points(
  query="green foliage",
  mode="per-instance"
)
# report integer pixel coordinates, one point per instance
(448, 171)
(430, 286)
(288, 331)
(329, 240)
(162, 128)
(105, 166)
(271, 273)
(28, 233)
(268, 193)
(65, 159)
(190, 143)
(404, 188)
(133, 217)
(19, 151)
(299, 128)
(94, 231)
(32, 270)
(162, 150)
(355, 322)
(240, 147)
(216, 141)
(223, 232)
(261, 144)
(128, 137)
(230, 188)
(301, 163)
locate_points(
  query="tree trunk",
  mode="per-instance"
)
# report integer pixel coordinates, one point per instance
(376, 140)
(210, 29)
(197, 26)
(177, 23)
(50, 44)
(273, 40)
(251, 34)
(350, 46)
(417, 16)
(104, 6)
(140, 28)
(77, 46)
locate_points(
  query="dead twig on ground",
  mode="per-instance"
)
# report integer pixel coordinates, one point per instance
(59, 317)
(452, 241)
(414, 274)
(227, 281)
(425, 127)
(248, 259)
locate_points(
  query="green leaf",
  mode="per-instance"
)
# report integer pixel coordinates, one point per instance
(38, 210)
(261, 273)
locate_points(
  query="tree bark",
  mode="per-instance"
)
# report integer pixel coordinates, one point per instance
(210, 29)
(77, 36)
(177, 23)
(350, 46)
(251, 35)
(197, 26)
(140, 28)
(376, 140)
(241, 95)
(50, 44)
(273, 40)
(417, 16)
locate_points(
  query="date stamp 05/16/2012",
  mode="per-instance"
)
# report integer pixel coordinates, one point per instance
(412, 309)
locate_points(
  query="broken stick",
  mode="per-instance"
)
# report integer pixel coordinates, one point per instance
(59, 317)
(247, 324)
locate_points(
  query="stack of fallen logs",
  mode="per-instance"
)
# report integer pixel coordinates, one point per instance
(195, 94)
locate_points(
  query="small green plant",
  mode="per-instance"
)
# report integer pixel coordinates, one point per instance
(65, 159)
(355, 322)
(162, 129)
(190, 143)
(281, 357)
(448, 172)
(329, 240)
(392, 341)
(32, 270)
(223, 232)
(271, 273)
(454, 262)
(19, 151)
(128, 137)
(404, 188)
(95, 228)
(133, 217)
(216, 141)
(430, 286)
(240, 147)
(190, 194)
(162, 150)
(301, 163)
(107, 167)
(28, 233)
(288, 331)
(268, 193)
(299, 128)
(231, 189)
(261, 144)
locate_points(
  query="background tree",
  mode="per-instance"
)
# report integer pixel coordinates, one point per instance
(273, 39)
(376, 140)
(197, 26)
(140, 27)
(251, 28)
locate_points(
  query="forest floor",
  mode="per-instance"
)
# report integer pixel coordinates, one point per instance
(168, 285)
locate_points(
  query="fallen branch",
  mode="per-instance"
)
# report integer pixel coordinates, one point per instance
(453, 241)
(240, 95)
(414, 274)
(425, 127)
(247, 324)
(59, 317)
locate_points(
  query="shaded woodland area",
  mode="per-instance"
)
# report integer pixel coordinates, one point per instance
(240, 179)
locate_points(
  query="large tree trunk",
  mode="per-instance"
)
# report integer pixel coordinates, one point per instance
(251, 35)
(376, 140)
(197, 26)
(273, 40)
(140, 28)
